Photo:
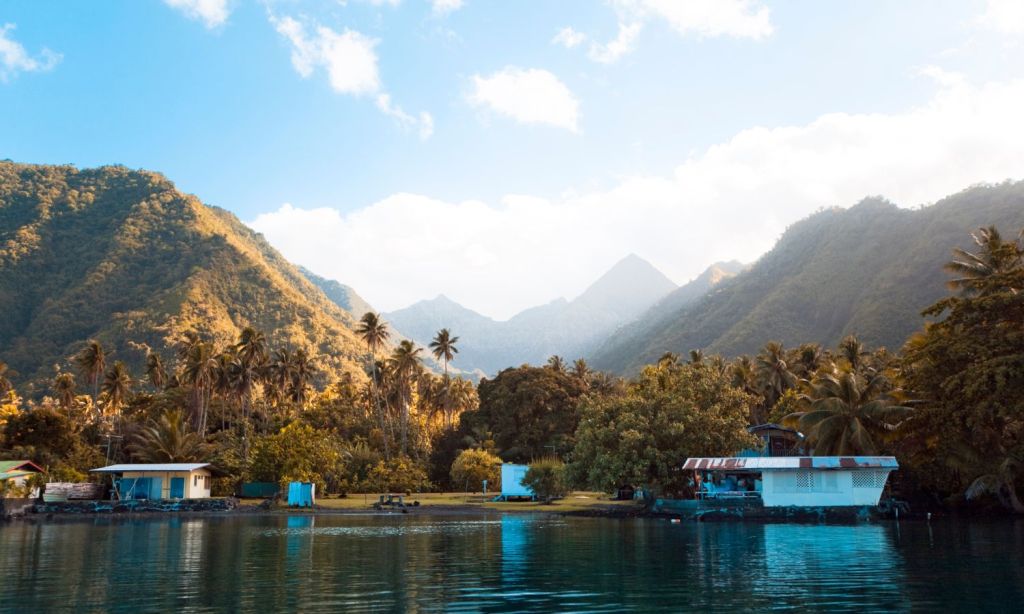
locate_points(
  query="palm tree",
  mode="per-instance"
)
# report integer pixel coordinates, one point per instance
(847, 414)
(303, 370)
(581, 370)
(5, 382)
(668, 359)
(995, 257)
(168, 440)
(443, 348)
(807, 360)
(772, 373)
(697, 358)
(405, 364)
(851, 349)
(117, 383)
(201, 369)
(155, 370)
(92, 362)
(373, 330)
(64, 387)
(248, 366)
(556, 363)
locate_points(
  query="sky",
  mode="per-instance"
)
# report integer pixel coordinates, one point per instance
(504, 153)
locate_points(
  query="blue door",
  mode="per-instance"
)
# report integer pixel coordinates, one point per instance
(177, 488)
(156, 488)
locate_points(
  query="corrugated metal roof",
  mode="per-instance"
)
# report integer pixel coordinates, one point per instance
(151, 467)
(794, 462)
(19, 465)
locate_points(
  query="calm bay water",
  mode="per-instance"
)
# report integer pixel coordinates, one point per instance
(510, 563)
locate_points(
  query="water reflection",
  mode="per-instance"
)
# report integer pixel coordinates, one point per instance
(514, 563)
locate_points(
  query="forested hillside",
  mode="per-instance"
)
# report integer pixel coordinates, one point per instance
(123, 257)
(869, 270)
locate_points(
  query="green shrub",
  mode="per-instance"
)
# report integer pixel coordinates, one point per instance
(546, 477)
(472, 467)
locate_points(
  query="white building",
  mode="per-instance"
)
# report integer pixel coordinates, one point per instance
(806, 481)
(161, 480)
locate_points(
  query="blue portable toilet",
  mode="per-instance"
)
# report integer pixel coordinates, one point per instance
(512, 486)
(301, 494)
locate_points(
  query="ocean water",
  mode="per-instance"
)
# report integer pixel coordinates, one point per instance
(349, 563)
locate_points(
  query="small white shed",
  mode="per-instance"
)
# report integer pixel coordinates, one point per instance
(512, 481)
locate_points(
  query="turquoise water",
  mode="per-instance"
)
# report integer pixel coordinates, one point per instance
(511, 563)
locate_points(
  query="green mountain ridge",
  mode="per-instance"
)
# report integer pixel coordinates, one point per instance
(124, 257)
(868, 270)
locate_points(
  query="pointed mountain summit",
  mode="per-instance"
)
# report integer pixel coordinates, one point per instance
(567, 328)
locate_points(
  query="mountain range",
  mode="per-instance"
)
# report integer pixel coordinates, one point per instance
(568, 328)
(869, 270)
(122, 256)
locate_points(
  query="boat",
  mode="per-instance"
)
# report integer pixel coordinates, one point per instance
(783, 487)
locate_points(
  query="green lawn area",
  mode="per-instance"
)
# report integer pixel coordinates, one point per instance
(574, 502)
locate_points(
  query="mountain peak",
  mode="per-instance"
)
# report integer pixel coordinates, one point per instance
(626, 289)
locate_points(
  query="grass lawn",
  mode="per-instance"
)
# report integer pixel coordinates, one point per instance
(574, 502)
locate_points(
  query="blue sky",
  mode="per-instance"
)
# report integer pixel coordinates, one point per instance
(500, 150)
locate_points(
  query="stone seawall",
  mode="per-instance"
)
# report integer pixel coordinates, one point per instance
(136, 506)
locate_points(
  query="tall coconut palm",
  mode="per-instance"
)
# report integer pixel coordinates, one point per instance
(807, 359)
(5, 382)
(168, 440)
(995, 256)
(92, 362)
(248, 366)
(64, 387)
(443, 348)
(556, 363)
(772, 372)
(847, 414)
(117, 384)
(852, 350)
(304, 369)
(200, 371)
(155, 371)
(373, 330)
(581, 370)
(405, 364)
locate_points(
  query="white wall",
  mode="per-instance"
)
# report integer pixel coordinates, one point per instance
(804, 487)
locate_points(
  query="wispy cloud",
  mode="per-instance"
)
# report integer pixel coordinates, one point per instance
(349, 59)
(568, 38)
(15, 59)
(1005, 16)
(527, 95)
(618, 47)
(212, 13)
(682, 222)
(700, 18)
(443, 7)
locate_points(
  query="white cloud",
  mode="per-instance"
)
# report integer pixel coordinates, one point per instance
(700, 18)
(1005, 16)
(443, 7)
(568, 38)
(15, 59)
(528, 95)
(730, 201)
(348, 57)
(350, 60)
(623, 44)
(212, 13)
(709, 18)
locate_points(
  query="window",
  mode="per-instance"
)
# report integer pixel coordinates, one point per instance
(869, 479)
(195, 480)
(805, 480)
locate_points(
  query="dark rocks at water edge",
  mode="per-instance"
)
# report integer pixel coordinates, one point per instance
(136, 506)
